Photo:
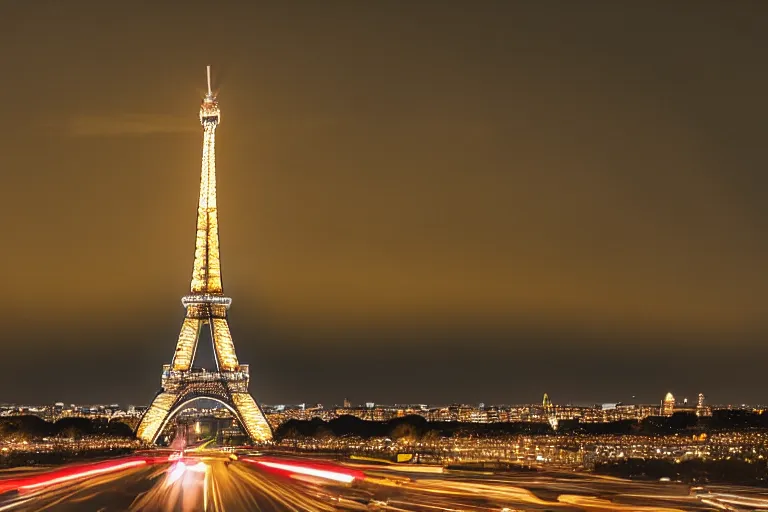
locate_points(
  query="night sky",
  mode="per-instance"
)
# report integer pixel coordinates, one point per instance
(419, 201)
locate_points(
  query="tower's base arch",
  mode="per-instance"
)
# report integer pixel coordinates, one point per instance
(172, 414)
(212, 386)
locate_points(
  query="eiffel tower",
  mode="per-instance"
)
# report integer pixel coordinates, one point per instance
(206, 305)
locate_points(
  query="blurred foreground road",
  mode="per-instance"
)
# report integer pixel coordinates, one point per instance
(210, 481)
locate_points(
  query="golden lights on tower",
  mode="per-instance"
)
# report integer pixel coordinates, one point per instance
(206, 305)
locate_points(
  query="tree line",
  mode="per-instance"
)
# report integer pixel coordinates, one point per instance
(417, 427)
(31, 428)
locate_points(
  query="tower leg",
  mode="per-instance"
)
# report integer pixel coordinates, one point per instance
(252, 417)
(186, 344)
(223, 345)
(155, 417)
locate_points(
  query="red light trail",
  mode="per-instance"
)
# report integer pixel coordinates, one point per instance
(70, 473)
(326, 471)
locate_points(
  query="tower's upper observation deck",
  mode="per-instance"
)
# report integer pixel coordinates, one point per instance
(209, 109)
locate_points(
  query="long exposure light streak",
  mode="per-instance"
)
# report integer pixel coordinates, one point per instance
(15, 504)
(276, 483)
(316, 470)
(68, 474)
(303, 470)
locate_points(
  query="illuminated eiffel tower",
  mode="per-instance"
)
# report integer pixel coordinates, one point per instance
(206, 305)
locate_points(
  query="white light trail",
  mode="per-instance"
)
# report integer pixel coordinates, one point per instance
(176, 472)
(321, 473)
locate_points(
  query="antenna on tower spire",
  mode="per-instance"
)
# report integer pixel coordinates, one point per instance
(208, 69)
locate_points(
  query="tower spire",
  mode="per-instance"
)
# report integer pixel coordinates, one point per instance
(206, 273)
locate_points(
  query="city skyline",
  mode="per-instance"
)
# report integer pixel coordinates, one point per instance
(473, 219)
(683, 402)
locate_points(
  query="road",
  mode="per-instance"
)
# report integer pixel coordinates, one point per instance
(211, 481)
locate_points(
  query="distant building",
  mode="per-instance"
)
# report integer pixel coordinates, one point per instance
(701, 409)
(668, 405)
(549, 411)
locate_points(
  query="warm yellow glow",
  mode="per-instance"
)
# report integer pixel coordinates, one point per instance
(206, 272)
(252, 417)
(155, 416)
(206, 305)
(185, 347)
(225, 348)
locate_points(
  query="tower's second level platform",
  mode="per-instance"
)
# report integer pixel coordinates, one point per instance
(206, 298)
(175, 381)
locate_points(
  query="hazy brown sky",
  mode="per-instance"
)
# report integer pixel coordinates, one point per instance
(540, 196)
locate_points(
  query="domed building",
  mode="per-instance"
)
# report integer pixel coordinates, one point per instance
(668, 405)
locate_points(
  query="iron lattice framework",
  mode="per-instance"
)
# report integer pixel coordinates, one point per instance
(205, 305)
